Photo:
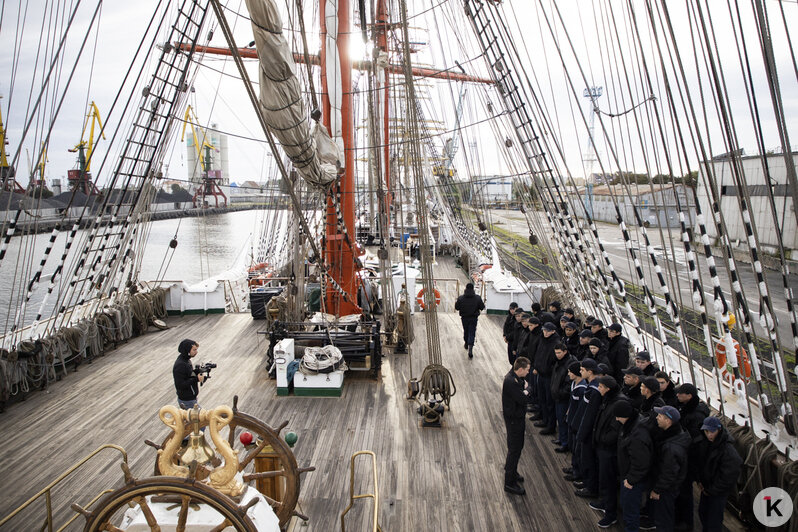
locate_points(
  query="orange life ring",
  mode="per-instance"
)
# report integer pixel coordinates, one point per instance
(420, 298)
(258, 267)
(743, 363)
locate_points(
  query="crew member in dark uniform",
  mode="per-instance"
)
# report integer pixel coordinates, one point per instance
(469, 305)
(507, 330)
(719, 466)
(514, 397)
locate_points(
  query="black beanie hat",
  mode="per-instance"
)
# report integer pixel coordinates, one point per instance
(623, 409)
(575, 368)
(596, 342)
(652, 384)
(185, 346)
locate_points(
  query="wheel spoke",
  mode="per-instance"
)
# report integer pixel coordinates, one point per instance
(231, 437)
(181, 519)
(148, 515)
(219, 528)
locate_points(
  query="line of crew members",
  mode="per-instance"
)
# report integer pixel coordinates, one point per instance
(635, 440)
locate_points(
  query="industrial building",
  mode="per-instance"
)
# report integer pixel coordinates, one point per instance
(755, 168)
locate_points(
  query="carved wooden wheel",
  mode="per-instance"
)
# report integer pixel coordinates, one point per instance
(263, 436)
(184, 494)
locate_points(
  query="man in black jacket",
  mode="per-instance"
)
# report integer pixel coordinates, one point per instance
(543, 366)
(631, 386)
(618, 350)
(719, 467)
(508, 330)
(649, 389)
(667, 389)
(671, 444)
(514, 393)
(635, 450)
(693, 411)
(186, 381)
(573, 418)
(605, 439)
(571, 337)
(521, 337)
(569, 313)
(469, 305)
(588, 411)
(598, 330)
(643, 361)
(583, 351)
(561, 393)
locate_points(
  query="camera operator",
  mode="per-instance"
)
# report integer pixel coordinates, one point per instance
(186, 380)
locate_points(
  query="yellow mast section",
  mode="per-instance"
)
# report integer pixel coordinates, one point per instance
(190, 119)
(3, 160)
(92, 116)
(43, 161)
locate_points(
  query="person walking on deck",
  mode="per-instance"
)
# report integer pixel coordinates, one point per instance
(515, 390)
(469, 305)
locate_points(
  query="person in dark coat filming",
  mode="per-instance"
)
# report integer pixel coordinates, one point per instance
(186, 381)
(514, 398)
(469, 305)
(719, 467)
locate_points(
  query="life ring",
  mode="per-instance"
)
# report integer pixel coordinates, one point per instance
(420, 298)
(258, 267)
(743, 363)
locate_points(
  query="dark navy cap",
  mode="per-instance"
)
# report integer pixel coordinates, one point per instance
(671, 413)
(711, 423)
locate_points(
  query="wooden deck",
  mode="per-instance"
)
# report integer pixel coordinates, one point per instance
(429, 479)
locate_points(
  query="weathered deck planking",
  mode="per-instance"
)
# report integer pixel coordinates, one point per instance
(429, 479)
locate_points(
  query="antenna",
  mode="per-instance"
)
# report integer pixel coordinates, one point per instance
(589, 158)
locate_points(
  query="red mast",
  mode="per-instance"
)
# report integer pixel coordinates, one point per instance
(340, 247)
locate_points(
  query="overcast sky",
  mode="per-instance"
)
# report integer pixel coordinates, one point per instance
(219, 97)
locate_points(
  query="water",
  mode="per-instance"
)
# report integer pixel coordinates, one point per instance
(207, 245)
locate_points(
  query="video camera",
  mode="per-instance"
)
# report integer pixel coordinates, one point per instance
(204, 369)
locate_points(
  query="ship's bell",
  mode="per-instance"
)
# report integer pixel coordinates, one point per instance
(198, 448)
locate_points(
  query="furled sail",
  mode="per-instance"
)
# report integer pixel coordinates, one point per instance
(312, 152)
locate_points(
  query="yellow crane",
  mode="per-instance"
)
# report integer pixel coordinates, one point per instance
(190, 119)
(7, 173)
(86, 147)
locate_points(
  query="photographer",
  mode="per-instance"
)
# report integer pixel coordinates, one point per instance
(186, 379)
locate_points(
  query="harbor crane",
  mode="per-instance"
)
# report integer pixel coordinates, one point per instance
(209, 185)
(80, 178)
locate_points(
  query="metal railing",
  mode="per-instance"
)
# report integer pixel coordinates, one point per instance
(375, 496)
(46, 491)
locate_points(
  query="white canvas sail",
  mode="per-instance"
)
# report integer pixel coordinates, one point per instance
(313, 153)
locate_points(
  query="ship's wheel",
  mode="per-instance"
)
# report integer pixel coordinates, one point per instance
(184, 494)
(216, 486)
(263, 436)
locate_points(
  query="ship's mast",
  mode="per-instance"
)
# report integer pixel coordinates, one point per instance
(339, 243)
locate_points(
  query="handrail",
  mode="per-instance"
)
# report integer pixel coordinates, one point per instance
(352, 496)
(46, 490)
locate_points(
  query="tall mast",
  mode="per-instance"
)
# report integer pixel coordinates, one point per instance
(339, 248)
(382, 44)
